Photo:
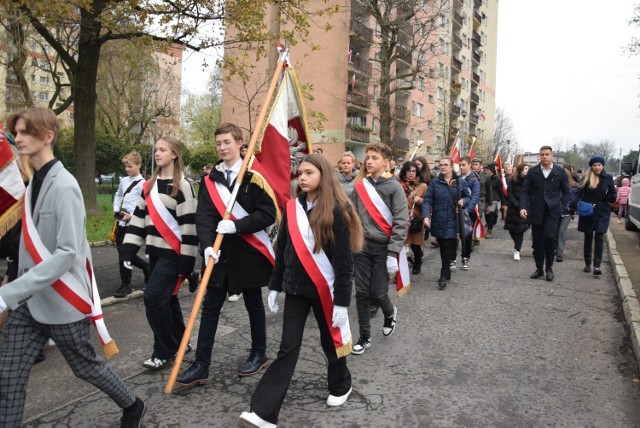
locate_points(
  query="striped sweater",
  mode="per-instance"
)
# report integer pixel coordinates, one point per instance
(142, 230)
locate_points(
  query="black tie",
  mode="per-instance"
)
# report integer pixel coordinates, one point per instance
(228, 171)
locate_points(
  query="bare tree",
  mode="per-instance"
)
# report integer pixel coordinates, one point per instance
(503, 132)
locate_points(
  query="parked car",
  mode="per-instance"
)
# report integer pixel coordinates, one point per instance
(107, 179)
(632, 217)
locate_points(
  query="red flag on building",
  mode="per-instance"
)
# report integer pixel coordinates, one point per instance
(11, 187)
(285, 140)
(500, 172)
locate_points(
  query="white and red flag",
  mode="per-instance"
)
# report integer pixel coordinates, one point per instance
(478, 227)
(455, 150)
(500, 172)
(11, 187)
(472, 150)
(285, 139)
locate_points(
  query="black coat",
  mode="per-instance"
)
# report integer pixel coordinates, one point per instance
(240, 264)
(537, 192)
(290, 276)
(440, 205)
(602, 196)
(514, 221)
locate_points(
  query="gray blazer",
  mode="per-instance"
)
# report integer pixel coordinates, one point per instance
(59, 216)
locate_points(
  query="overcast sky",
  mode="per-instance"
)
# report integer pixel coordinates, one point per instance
(562, 71)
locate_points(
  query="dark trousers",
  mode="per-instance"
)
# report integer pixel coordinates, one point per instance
(139, 262)
(23, 341)
(372, 284)
(267, 399)
(211, 306)
(589, 237)
(163, 308)
(544, 240)
(468, 240)
(447, 255)
(417, 253)
(517, 238)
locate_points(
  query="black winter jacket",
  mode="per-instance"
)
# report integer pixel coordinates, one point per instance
(289, 274)
(514, 221)
(241, 265)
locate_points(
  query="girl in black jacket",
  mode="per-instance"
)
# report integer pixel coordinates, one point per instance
(514, 223)
(318, 233)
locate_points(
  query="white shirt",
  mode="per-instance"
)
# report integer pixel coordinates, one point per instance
(235, 169)
(546, 172)
(130, 200)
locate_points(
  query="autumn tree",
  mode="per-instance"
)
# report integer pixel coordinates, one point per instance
(196, 24)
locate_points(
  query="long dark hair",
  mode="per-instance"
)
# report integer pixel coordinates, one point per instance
(405, 169)
(425, 170)
(518, 173)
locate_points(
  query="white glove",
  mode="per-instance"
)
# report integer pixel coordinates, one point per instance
(392, 265)
(208, 252)
(127, 265)
(226, 227)
(3, 305)
(340, 316)
(272, 300)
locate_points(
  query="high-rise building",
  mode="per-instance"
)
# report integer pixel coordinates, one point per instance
(443, 83)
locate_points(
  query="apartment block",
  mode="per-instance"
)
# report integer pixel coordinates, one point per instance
(453, 90)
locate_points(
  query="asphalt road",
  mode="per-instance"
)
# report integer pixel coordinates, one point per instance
(494, 349)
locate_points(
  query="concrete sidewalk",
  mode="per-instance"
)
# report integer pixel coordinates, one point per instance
(494, 349)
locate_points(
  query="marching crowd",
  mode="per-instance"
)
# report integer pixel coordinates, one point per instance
(362, 222)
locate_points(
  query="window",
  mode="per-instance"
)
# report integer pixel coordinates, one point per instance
(376, 92)
(464, 62)
(438, 141)
(357, 120)
(440, 93)
(33, 78)
(439, 115)
(43, 96)
(419, 136)
(425, 5)
(430, 124)
(421, 84)
(443, 20)
(431, 100)
(33, 95)
(443, 45)
(413, 107)
(45, 65)
(432, 73)
(419, 110)
(375, 125)
(34, 62)
(44, 80)
(442, 70)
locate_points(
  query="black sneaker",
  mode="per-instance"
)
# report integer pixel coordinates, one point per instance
(465, 263)
(390, 323)
(123, 291)
(132, 415)
(361, 345)
(597, 271)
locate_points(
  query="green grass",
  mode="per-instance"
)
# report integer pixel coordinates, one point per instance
(99, 224)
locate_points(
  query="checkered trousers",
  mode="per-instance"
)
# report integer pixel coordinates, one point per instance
(24, 338)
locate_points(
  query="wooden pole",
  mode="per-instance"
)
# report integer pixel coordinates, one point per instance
(202, 289)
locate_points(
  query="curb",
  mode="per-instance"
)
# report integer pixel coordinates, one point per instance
(630, 302)
(108, 301)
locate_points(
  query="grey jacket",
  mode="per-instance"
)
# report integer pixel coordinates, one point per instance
(59, 216)
(347, 182)
(393, 196)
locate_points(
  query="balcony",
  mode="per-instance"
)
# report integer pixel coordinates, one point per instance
(357, 134)
(457, 20)
(361, 66)
(475, 98)
(401, 143)
(476, 56)
(404, 54)
(456, 41)
(476, 78)
(473, 118)
(477, 18)
(402, 114)
(455, 111)
(360, 100)
(362, 31)
(456, 64)
(477, 4)
(405, 84)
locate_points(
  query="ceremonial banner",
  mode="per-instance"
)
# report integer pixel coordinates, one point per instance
(500, 172)
(478, 227)
(11, 187)
(285, 139)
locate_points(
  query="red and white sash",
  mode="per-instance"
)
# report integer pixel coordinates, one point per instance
(382, 216)
(162, 219)
(319, 269)
(259, 240)
(67, 286)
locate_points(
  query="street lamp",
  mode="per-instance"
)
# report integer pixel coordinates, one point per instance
(153, 142)
(464, 115)
(508, 149)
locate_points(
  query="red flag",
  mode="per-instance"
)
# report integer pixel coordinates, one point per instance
(478, 227)
(482, 116)
(11, 187)
(285, 139)
(455, 150)
(521, 161)
(500, 171)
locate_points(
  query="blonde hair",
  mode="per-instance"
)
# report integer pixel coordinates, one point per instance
(591, 179)
(178, 165)
(38, 121)
(23, 164)
(132, 157)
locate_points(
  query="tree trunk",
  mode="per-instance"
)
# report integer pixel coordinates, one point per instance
(84, 136)
(386, 118)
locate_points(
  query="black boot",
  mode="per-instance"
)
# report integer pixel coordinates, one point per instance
(123, 291)
(417, 266)
(444, 278)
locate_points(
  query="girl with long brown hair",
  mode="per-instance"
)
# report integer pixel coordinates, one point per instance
(318, 234)
(164, 220)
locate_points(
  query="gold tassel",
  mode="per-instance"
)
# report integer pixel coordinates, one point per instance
(404, 290)
(344, 350)
(110, 349)
(10, 218)
(258, 179)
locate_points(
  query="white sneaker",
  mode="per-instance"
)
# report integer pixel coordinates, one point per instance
(453, 265)
(233, 298)
(254, 420)
(516, 255)
(338, 401)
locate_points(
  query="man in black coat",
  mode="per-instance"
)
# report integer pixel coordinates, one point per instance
(544, 192)
(240, 266)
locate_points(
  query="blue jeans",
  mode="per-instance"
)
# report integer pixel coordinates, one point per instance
(211, 306)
